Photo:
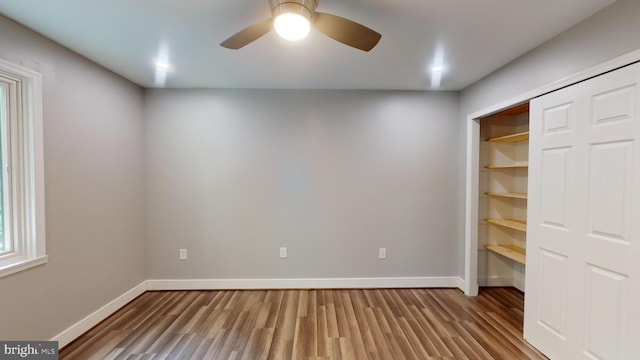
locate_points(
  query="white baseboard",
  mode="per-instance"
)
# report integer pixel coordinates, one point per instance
(496, 281)
(73, 332)
(501, 282)
(519, 284)
(84, 325)
(311, 283)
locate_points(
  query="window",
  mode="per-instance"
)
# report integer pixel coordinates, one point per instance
(22, 236)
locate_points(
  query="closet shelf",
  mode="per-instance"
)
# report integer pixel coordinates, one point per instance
(513, 166)
(516, 110)
(512, 252)
(509, 223)
(511, 195)
(523, 136)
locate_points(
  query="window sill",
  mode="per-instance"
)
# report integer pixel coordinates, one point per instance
(21, 264)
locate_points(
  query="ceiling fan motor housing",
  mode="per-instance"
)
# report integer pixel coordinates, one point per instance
(305, 8)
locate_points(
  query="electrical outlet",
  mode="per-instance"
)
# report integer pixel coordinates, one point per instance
(283, 253)
(183, 254)
(382, 253)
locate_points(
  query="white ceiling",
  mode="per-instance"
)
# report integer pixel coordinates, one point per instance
(474, 37)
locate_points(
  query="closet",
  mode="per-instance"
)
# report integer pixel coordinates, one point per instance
(502, 203)
(553, 188)
(583, 246)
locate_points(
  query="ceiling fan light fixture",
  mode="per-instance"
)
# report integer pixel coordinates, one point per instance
(292, 20)
(292, 27)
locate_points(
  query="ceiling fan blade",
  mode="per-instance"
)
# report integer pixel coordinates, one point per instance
(346, 31)
(248, 35)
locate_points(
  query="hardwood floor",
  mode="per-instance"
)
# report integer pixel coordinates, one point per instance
(312, 324)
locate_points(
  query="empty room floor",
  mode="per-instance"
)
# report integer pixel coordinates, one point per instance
(312, 324)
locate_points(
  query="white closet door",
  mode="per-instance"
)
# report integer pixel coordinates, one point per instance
(583, 225)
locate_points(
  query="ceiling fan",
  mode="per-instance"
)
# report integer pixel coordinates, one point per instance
(292, 20)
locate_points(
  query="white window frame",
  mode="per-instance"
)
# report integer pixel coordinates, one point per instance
(23, 172)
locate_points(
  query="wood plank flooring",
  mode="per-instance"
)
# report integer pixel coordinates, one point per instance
(386, 324)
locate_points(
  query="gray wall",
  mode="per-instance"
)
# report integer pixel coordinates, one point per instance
(232, 175)
(610, 33)
(93, 133)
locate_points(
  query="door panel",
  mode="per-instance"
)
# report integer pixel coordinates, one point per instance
(584, 220)
(553, 293)
(557, 118)
(554, 192)
(605, 313)
(551, 220)
(609, 206)
(614, 105)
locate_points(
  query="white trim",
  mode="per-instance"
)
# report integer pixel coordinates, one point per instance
(471, 227)
(74, 331)
(312, 283)
(496, 281)
(25, 212)
(18, 69)
(471, 242)
(37, 148)
(22, 263)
